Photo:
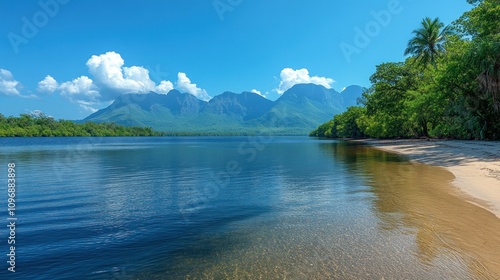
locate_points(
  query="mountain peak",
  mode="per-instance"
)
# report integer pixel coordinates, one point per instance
(351, 94)
(310, 91)
(307, 86)
(299, 110)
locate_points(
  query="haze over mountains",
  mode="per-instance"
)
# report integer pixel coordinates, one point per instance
(298, 111)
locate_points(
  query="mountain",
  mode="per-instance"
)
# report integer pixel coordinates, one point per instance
(247, 104)
(350, 95)
(299, 110)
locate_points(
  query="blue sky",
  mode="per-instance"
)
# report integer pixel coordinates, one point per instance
(69, 58)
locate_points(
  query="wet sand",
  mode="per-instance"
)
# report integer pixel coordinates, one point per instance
(475, 165)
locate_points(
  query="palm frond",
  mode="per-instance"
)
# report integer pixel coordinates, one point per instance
(428, 41)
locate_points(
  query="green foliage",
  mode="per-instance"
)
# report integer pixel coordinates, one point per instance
(457, 98)
(482, 21)
(324, 130)
(343, 125)
(42, 126)
(428, 42)
(346, 124)
(385, 100)
(296, 112)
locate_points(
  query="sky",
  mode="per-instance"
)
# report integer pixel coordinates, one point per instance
(69, 58)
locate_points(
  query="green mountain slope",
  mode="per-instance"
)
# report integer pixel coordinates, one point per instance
(298, 111)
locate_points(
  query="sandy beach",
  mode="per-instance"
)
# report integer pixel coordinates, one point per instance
(475, 165)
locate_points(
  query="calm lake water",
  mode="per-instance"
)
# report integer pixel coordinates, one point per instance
(237, 208)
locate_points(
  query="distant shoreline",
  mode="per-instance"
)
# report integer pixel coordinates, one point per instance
(475, 164)
(166, 135)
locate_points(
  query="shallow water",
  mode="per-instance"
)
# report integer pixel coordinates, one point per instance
(239, 208)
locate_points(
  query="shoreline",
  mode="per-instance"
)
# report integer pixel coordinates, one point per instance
(475, 164)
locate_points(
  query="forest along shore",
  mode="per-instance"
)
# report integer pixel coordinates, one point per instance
(475, 164)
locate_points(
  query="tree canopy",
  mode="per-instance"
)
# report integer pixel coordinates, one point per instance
(43, 126)
(428, 42)
(457, 98)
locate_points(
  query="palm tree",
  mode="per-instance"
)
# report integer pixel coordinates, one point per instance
(428, 42)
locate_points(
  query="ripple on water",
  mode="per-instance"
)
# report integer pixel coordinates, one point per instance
(302, 209)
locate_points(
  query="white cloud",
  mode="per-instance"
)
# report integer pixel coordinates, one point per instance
(82, 86)
(88, 106)
(257, 92)
(164, 87)
(83, 92)
(110, 75)
(184, 84)
(110, 78)
(48, 85)
(290, 77)
(8, 85)
(38, 113)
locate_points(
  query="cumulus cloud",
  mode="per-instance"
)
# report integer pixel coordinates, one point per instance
(290, 77)
(83, 92)
(110, 78)
(82, 86)
(114, 79)
(48, 85)
(184, 84)
(164, 87)
(8, 85)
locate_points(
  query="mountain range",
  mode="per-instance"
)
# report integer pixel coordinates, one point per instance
(298, 111)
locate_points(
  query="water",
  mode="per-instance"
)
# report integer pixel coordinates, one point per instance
(237, 208)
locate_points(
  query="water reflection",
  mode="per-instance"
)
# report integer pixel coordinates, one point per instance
(418, 199)
(302, 209)
(343, 211)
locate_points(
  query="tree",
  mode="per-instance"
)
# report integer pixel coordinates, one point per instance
(385, 100)
(484, 55)
(346, 124)
(457, 98)
(480, 22)
(324, 130)
(428, 42)
(423, 110)
(41, 125)
(482, 25)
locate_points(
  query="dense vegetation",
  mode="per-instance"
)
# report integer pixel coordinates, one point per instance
(42, 126)
(448, 88)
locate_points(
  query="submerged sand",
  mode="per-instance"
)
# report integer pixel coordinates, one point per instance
(475, 165)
